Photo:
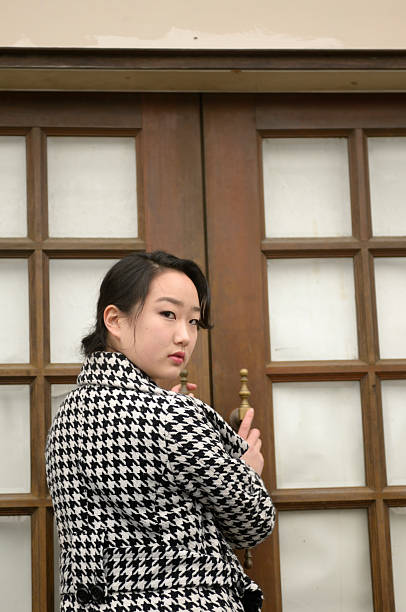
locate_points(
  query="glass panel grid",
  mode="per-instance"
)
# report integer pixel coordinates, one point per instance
(387, 177)
(325, 561)
(318, 434)
(14, 315)
(397, 517)
(13, 187)
(15, 459)
(312, 309)
(394, 418)
(390, 283)
(74, 288)
(92, 187)
(306, 187)
(15, 563)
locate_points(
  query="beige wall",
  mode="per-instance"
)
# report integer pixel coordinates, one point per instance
(273, 24)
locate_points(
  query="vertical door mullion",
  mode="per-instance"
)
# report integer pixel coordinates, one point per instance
(237, 271)
(173, 194)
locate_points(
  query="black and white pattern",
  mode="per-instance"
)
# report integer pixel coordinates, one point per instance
(150, 498)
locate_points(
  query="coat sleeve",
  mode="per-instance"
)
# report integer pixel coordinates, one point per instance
(204, 455)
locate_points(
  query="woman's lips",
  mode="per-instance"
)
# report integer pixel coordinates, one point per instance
(178, 357)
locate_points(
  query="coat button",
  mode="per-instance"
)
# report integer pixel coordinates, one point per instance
(97, 593)
(83, 594)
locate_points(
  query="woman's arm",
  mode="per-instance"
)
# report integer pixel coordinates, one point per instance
(215, 471)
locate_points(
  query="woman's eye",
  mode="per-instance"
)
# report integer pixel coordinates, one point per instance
(168, 314)
(194, 322)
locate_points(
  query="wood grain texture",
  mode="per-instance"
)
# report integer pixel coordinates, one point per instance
(331, 111)
(173, 195)
(237, 272)
(70, 110)
(204, 59)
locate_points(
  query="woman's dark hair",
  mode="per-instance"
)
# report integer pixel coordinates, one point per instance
(127, 283)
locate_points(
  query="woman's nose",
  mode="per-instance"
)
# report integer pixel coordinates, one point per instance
(182, 335)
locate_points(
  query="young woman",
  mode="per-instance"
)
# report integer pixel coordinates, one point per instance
(151, 489)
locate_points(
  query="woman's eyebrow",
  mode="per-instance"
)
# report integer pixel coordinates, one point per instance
(176, 302)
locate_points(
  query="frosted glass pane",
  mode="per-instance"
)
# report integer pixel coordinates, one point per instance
(397, 517)
(306, 187)
(318, 434)
(387, 163)
(58, 394)
(74, 290)
(14, 317)
(312, 309)
(390, 282)
(13, 187)
(57, 582)
(394, 418)
(92, 187)
(15, 563)
(15, 461)
(325, 561)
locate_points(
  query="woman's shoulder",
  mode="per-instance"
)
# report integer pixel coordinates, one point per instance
(189, 414)
(179, 405)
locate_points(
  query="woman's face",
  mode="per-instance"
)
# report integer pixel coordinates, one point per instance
(161, 339)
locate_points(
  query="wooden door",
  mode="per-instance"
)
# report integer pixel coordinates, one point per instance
(306, 234)
(213, 209)
(85, 179)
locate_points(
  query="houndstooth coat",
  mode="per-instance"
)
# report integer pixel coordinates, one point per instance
(150, 497)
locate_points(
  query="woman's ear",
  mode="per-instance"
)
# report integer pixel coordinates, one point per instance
(112, 316)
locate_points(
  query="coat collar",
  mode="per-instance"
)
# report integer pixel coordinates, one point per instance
(106, 369)
(109, 369)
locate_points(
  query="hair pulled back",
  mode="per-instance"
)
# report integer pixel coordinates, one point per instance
(127, 283)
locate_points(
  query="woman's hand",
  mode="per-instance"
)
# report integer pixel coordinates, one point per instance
(253, 456)
(190, 387)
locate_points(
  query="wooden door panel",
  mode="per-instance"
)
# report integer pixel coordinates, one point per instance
(237, 275)
(238, 250)
(166, 130)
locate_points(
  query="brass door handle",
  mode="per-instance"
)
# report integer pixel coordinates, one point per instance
(236, 417)
(183, 382)
(239, 413)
